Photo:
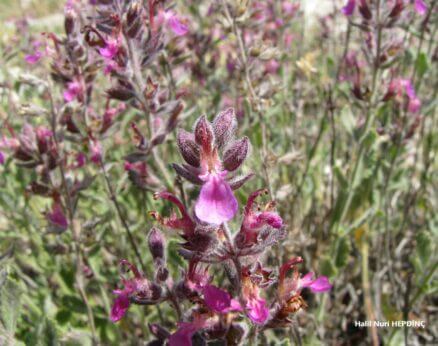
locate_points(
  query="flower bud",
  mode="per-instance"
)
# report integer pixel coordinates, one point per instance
(364, 10)
(133, 20)
(397, 9)
(204, 135)
(223, 126)
(120, 93)
(69, 22)
(236, 154)
(156, 244)
(188, 148)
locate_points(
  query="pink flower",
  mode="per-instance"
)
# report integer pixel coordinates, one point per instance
(95, 151)
(119, 308)
(183, 336)
(2, 158)
(173, 21)
(33, 58)
(255, 306)
(348, 9)
(216, 203)
(111, 49)
(420, 7)
(258, 311)
(74, 91)
(255, 219)
(186, 330)
(289, 8)
(184, 223)
(290, 288)
(138, 289)
(219, 300)
(272, 66)
(414, 105)
(81, 160)
(320, 284)
(36, 55)
(196, 277)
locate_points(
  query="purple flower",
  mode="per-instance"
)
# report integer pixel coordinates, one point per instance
(348, 9)
(74, 91)
(186, 330)
(258, 312)
(255, 220)
(320, 284)
(173, 21)
(33, 58)
(219, 300)
(138, 289)
(216, 203)
(184, 223)
(2, 158)
(201, 149)
(111, 49)
(81, 160)
(183, 336)
(95, 151)
(36, 55)
(414, 105)
(119, 308)
(420, 7)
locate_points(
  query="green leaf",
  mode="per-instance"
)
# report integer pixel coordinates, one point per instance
(9, 305)
(347, 120)
(63, 316)
(342, 252)
(421, 65)
(424, 247)
(46, 334)
(327, 267)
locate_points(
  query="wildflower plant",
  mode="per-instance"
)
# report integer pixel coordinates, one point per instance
(301, 203)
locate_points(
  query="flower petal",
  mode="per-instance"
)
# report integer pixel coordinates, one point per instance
(258, 312)
(321, 284)
(119, 308)
(420, 7)
(216, 203)
(216, 299)
(348, 9)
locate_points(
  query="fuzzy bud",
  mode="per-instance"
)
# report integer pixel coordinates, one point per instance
(188, 148)
(364, 10)
(236, 154)
(156, 244)
(69, 22)
(120, 93)
(204, 135)
(224, 125)
(397, 9)
(133, 20)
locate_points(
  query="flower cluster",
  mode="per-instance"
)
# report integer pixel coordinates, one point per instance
(213, 311)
